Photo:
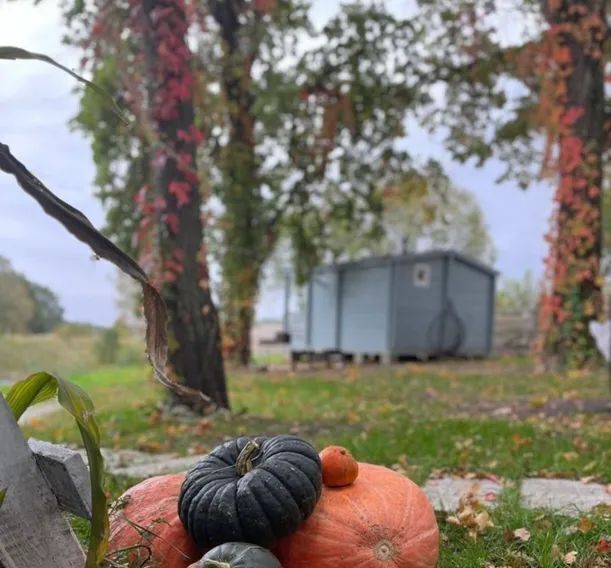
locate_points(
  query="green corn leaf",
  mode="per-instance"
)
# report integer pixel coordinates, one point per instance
(11, 52)
(43, 386)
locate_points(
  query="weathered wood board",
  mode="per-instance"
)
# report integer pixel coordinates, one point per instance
(33, 531)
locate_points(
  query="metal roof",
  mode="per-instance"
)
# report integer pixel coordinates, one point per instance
(411, 257)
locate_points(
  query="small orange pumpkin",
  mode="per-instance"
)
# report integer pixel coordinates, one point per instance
(339, 468)
(382, 520)
(152, 506)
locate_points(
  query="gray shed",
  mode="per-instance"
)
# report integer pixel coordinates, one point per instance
(427, 304)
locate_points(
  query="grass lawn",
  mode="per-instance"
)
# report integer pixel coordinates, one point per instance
(490, 417)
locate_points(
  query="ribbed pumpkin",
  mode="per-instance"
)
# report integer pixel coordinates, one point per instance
(251, 490)
(382, 520)
(152, 506)
(238, 555)
(339, 468)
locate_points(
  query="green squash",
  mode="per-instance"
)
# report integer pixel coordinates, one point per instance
(251, 490)
(238, 555)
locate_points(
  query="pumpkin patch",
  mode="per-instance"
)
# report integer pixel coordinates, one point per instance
(317, 510)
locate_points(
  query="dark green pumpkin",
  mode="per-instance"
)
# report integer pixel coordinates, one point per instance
(251, 490)
(238, 555)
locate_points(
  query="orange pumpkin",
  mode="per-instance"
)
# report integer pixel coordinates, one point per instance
(382, 520)
(339, 468)
(152, 506)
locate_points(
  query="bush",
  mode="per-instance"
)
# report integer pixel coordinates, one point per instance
(107, 346)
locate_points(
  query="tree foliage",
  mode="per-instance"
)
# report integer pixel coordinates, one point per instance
(518, 294)
(16, 304)
(421, 210)
(147, 171)
(48, 312)
(540, 96)
(352, 94)
(25, 306)
(295, 141)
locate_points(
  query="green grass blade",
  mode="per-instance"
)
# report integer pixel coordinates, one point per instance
(43, 386)
(13, 53)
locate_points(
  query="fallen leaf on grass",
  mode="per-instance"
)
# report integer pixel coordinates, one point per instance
(471, 514)
(570, 558)
(585, 525)
(570, 530)
(603, 546)
(519, 441)
(521, 534)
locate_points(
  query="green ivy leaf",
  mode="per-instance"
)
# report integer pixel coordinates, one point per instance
(43, 386)
(13, 53)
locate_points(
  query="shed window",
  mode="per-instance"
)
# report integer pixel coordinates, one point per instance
(422, 275)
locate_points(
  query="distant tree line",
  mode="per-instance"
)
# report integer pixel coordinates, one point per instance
(25, 306)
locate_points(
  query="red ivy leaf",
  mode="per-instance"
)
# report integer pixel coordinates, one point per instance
(171, 220)
(181, 190)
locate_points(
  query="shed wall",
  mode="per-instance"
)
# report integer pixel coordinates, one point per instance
(323, 314)
(471, 292)
(364, 308)
(385, 306)
(416, 306)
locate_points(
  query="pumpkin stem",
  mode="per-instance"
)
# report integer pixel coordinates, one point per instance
(244, 462)
(209, 563)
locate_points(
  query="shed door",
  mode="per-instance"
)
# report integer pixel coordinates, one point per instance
(364, 309)
(323, 327)
(418, 290)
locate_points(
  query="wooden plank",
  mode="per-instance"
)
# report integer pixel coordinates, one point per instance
(67, 476)
(33, 530)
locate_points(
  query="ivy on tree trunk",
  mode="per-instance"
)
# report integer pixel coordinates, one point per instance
(173, 201)
(576, 36)
(245, 235)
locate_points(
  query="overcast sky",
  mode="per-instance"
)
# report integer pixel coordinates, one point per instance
(37, 102)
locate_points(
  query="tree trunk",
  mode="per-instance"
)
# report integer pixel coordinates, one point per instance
(195, 341)
(246, 238)
(577, 33)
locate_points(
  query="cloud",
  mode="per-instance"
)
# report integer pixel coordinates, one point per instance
(41, 101)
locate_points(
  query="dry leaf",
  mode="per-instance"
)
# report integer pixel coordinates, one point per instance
(585, 525)
(521, 534)
(570, 558)
(483, 521)
(603, 546)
